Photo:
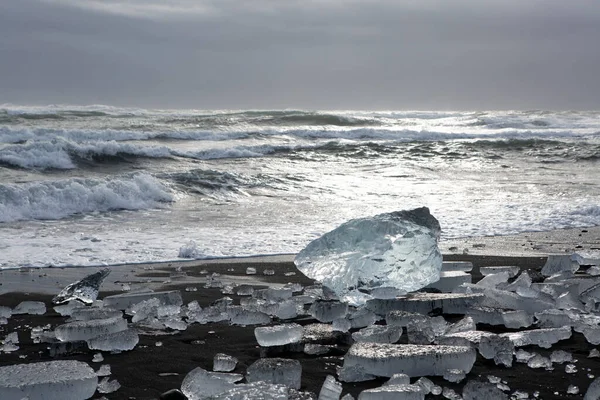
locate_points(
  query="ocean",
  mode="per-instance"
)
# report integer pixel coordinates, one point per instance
(100, 185)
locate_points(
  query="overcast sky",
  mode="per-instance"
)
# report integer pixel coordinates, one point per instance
(329, 54)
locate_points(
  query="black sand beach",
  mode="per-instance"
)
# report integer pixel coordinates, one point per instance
(159, 363)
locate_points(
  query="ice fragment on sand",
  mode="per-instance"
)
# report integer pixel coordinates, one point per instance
(393, 392)
(276, 370)
(106, 386)
(84, 330)
(84, 290)
(378, 334)
(542, 337)
(594, 353)
(424, 303)
(224, 363)
(538, 361)
(498, 348)
(53, 380)
(513, 319)
(5, 312)
(331, 389)
(89, 313)
(104, 370)
(250, 271)
(493, 280)
(557, 264)
(560, 356)
(413, 360)
(118, 341)
(427, 386)
(362, 318)
(474, 390)
(30, 307)
(454, 375)
(9, 344)
(126, 300)
(327, 311)
(278, 335)
(200, 383)
(396, 249)
(262, 391)
(593, 391)
(572, 389)
(354, 373)
(464, 325)
(450, 280)
(98, 357)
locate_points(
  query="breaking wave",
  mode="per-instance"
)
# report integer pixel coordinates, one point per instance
(59, 199)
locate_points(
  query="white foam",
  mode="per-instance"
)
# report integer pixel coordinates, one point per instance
(59, 199)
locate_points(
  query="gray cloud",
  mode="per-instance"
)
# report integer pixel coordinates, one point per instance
(307, 54)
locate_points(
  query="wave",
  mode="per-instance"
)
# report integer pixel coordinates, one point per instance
(59, 199)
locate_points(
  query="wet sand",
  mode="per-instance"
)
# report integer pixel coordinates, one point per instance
(150, 370)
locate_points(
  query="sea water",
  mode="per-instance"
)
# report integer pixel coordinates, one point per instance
(101, 185)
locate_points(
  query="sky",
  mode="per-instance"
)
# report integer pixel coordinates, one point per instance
(329, 54)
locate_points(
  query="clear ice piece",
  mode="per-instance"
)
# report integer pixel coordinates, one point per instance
(513, 319)
(378, 334)
(398, 379)
(52, 380)
(561, 356)
(224, 363)
(544, 338)
(331, 389)
(327, 311)
(511, 270)
(118, 341)
(538, 361)
(557, 264)
(278, 335)
(89, 313)
(104, 370)
(84, 290)
(498, 348)
(84, 330)
(493, 280)
(450, 280)
(108, 386)
(126, 300)
(424, 303)
(354, 373)
(30, 307)
(200, 383)
(316, 349)
(454, 375)
(412, 360)
(397, 249)
(277, 371)
(5, 312)
(393, 392)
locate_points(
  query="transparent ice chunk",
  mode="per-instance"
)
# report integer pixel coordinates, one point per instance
(277, 371)
(538, 361)
(393, 392)
(126, 300)
(124, 340)
(557, 264)
(493, 280)
(316, 349)
(30, 307)
(513, 319)
(104, 370)
(278, 335)
(354, 373)
(327, 311)
(378, 334)
(398, 379)
(52, 380)
(544, 338)
(454, 375)
(89, 313)
(84, 290)
(200, 383)
(498, 348)
(84, 330)
(224, 363)
(450, 280)
(412, 360)
(424, 303)
(397, 249)
(108, 386)
(331, 389)
(5, 312)
(511, 270)
(362, 318)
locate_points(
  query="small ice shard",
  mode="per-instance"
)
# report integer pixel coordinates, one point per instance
(269, 272)
(464, 325)
(68, 308)
(493, 280)
(504, 299)
(544, 338)
(538, 361)
(316, 349)
(200, 383)
(331, 389)
(124, 340)
(286, 310)
(398, 379)
(523, 356)
(241, 316)
(427, 386)
(224, 363)
(30, 307)
(474, 390)
(84, 290)
(460, 266)
(213, 281)
(572, 389)
(9, 344)
(278, 335)
(450, 394)
(98, 357)
(341, 324)
(126, 300)
(107, 386)
(272, 294)
(327, 311)
(594, 353)
(250, 271)
(397, 249)
(454, 375)
(52, 380)
(5, 312)
(560, 356)
(104, 370)
(512, 271)
(498, 348)
(277, 371)
(84, 330)
(362, 318)
(557, 264)
(378, 334)
(413, 360)
(570, 369)
(244, 290)
(393, 392)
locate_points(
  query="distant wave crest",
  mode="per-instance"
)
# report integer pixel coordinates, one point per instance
(59, 199)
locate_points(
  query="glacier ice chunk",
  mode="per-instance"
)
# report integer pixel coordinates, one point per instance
(393, 392)
(30, 307)
(396, 249)
(277, 371)
(118, 341)
(224, 363)
(84, 330)
(84, 290)
(200, 383)
(278, 335)
(331, 389)
(52, 380)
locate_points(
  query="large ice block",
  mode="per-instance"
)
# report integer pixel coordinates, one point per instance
(118, 341)
(277, 371)
(52, 380)
(396, 249)
(125, 300)
(412, 360)
(84, 290)
(84, 330)
(542, 337)
(30, 307)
